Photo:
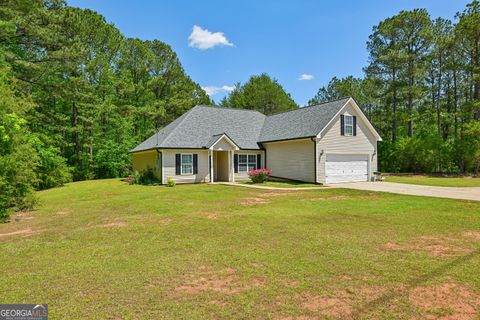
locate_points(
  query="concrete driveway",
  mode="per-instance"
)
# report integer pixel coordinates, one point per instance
(470, 193)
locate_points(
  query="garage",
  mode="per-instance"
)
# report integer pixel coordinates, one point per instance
(346, 168)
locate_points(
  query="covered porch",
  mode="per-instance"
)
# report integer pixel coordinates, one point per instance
(221, 153)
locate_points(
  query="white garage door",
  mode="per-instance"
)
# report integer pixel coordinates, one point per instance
(346, 168)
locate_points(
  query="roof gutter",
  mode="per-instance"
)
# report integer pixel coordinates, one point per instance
(279, 140)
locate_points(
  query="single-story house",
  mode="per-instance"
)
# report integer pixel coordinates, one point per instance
(326, 143)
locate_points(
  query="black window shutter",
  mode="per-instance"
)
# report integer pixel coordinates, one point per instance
(177, 164)
(259, 161)
(354, 125)
(235, 163)
(342, 125)
(195, 163)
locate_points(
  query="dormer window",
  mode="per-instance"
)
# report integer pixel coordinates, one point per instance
(348, 125)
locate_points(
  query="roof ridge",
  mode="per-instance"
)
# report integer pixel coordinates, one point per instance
(313, 105)
(227, 108)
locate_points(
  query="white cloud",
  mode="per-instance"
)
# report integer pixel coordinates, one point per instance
(212, 90)
(306, 77)
(204, 39)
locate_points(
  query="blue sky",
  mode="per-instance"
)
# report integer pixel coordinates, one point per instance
(319, 39)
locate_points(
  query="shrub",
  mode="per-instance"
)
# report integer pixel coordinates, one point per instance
(259, 175)
(145, 177)
(135, 177)
(171, 182)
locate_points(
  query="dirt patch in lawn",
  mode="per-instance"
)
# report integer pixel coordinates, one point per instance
(341, 303)
(225, 281)
(209, 215)
(276, 193)
(63, 212)
(472, 235)
(263, 198)
(218, 303)
(24, 232)
(446, 301)
(434, 246)
(330, 198)
(254, 201)
(115, 224)
(22, 215)
(165, 221)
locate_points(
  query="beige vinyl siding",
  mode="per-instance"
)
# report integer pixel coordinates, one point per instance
(169, 166)
(332, 142)
(242, 176)
(292, 159)
(141, 161)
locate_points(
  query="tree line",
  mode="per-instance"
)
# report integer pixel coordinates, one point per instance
(421, 90)
(76, 96)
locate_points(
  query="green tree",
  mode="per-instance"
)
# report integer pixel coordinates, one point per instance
(468, 36)
(260, 93)
(18, 160)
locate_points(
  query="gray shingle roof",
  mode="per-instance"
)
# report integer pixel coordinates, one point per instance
(196, 128)
(201, 125)
(300, 123)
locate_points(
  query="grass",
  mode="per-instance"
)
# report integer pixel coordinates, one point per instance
(435, 181)
(283, 184)
(104, 249)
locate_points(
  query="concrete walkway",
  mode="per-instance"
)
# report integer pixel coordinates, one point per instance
(464, 193)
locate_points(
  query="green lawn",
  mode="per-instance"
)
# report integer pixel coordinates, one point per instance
(107, 250)
(435, 181)
(283, 184)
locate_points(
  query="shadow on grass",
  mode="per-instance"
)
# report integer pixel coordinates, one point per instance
(412, 284)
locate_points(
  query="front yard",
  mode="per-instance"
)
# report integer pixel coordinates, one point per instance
(435, 181)
(104, 249)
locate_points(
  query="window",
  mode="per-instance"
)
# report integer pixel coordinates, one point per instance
(348, 125)
(247, 162)
(186, 163)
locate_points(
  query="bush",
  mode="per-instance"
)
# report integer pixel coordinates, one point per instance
(135, 178)
(145, 177)
(259, 175)
(171, 182)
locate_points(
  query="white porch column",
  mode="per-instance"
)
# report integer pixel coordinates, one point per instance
(210, 156)
(232, 165)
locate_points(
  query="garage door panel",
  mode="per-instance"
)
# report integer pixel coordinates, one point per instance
(346, 168)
